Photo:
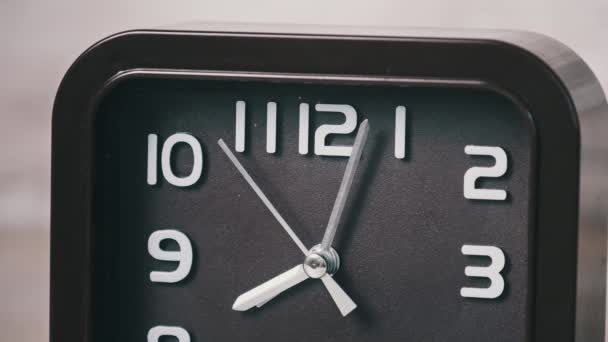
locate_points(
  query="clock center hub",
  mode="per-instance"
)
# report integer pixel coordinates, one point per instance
(319, 262)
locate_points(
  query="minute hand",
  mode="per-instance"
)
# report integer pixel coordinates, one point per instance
(345, 186)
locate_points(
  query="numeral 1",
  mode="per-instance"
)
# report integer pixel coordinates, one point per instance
(400, 125)
(491, 272)
(157, 332)
(167, 170)
(239, 139)
(183, 256)
(271, 127)
(304, 128)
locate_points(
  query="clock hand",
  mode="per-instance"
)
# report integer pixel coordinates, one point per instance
(344, 303)
(261, 195)
(345, 186)
(265, 292)
(337, 294)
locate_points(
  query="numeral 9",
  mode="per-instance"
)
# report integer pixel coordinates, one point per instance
(183, 256)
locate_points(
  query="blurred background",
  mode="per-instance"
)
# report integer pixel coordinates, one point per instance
(40, 39)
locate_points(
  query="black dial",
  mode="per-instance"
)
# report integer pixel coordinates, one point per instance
(443, 186)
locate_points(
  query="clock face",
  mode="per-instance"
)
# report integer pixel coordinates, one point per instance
(210, 194)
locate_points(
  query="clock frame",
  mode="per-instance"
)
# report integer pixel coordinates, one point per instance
(563, 97)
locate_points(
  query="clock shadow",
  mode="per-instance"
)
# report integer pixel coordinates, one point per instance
(409, 134)
(369, 166)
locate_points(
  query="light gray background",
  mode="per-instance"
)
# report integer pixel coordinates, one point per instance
(40, 39)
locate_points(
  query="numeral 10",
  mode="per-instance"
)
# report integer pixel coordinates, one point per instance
(167, 150)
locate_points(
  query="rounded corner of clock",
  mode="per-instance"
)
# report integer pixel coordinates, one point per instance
(563, 67)
(95, 70)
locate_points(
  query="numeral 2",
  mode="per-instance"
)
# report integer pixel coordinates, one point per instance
(491, 272)
(474, 173)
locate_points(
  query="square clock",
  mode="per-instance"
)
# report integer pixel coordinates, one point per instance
(328, 184)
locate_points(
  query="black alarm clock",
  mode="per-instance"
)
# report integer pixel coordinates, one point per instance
(328, 184)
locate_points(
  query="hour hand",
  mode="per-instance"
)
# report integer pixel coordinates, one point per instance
(261, 294)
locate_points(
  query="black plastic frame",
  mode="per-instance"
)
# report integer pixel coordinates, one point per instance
(515, 71)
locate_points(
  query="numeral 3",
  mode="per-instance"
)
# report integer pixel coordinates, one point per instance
(491, 272)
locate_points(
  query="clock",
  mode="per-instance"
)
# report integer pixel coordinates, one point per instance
(308, 184)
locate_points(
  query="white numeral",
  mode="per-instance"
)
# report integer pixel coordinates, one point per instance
(474, 173)
(349, 125)
(492, 272)
(155, 333)
(152, 158)
(400, 123)
(239, 138)
(271, 127)
(183, 256)
(197, 153)
(321, 133)
(304, 128)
